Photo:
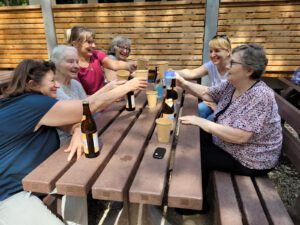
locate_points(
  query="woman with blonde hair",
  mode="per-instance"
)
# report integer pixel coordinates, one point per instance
(220, 53)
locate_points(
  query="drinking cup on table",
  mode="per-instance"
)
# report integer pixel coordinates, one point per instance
(142, 64)
(162, 67)
(163, 128)
(122, 74)
(141, 73)
(152, 98)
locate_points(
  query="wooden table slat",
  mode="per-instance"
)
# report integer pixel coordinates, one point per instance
(150, 181)
(116, 177)
(78, 183)
(185, 187)
(43, 178)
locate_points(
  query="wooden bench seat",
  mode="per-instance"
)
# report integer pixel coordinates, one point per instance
(254, 200)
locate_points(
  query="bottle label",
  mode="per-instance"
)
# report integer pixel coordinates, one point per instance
(169, 102)
(83, 117)
(132, 102)
(95, 142)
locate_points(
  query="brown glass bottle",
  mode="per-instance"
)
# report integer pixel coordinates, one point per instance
(130, 102)
(174, 93)
(89, 132)
(168, 108)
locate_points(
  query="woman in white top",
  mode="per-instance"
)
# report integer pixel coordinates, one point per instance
(220, 53)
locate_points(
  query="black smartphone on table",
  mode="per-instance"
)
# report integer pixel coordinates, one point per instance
(159, 153)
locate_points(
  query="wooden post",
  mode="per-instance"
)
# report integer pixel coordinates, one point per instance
(49, 25)
(210, 30)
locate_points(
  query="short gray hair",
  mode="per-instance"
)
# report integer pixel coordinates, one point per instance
(116, 42)
(253, 56)
(59, 51)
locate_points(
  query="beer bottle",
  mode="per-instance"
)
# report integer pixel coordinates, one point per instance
(130, 104)
(174, 93)
(168, 108)
(89, 132)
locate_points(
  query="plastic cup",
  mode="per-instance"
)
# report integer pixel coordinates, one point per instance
(152, 98)
(141, 73)
(122, 74)
(163, 128)
(142, 64)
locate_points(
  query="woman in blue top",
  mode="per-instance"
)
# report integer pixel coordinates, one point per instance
(220, 53)
(29, 115)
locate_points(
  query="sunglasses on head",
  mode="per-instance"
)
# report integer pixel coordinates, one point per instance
(222, 36)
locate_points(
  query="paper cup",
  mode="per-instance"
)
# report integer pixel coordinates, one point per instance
(152, 98)
(142, 64)
(122, 74)
(162, 67)
(163, 128)
(141, 73)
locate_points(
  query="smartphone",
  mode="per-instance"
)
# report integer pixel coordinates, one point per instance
(159, 153)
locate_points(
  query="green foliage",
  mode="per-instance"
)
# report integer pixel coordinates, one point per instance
(13, 2)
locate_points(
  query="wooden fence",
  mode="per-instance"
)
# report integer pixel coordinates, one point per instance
(164, 31)
(22, 35)
(273, 24)
(161, 31)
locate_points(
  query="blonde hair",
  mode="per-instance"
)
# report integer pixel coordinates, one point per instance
(220, 42)
(78, 34)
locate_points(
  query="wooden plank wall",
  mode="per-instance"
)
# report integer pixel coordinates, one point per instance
(160, 31)
(22, 35)
(273, 24)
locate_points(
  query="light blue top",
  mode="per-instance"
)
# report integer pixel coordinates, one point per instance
(75, 91)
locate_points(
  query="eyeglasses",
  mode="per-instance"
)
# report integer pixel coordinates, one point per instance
(124, 48)
(234, 62)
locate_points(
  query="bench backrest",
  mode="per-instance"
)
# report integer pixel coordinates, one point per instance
(290, 114)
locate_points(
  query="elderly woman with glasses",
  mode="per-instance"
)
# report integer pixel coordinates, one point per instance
(245, 137)
(119, 49)
(220, 52)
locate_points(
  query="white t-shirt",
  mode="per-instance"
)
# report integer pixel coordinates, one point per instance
(214, 76)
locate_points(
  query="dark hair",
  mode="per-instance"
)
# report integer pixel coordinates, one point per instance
(28, 69)
(253, 56)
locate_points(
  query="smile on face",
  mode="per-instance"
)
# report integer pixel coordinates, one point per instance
(218, 55)
(68, 66)
(122, 52)
(236, 70)
(86, 47)
(48, 85)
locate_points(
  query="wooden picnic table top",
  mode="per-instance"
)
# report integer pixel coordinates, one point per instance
(125, 169)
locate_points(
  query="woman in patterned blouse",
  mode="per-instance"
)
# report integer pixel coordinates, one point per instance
(245, 137)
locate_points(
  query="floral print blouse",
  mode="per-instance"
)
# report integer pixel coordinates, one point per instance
(255, 111)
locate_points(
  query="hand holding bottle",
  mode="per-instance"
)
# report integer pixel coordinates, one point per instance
(137, 83)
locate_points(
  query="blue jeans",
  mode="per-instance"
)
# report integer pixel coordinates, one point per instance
(205, 112)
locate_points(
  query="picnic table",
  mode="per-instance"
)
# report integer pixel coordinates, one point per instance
(125, 170)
